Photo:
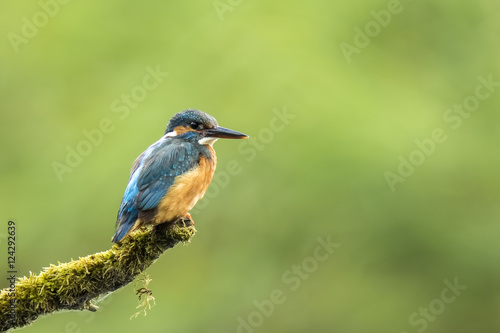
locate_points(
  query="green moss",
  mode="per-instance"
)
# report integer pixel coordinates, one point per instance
(73, 285)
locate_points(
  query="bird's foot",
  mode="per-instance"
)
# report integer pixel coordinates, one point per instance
(189, 217)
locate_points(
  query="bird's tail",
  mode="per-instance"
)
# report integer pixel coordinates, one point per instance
(124, 223)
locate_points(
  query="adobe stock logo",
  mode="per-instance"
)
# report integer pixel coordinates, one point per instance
(248, 148)
(453, 117)
(31, 26)
(121, 107)
(420, 319)
(225, 6)
(373, 28)
(293, 279)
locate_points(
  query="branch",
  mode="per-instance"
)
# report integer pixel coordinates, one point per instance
(73, 285)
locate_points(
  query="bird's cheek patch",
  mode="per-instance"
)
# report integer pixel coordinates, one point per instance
(179, 130)
(183, 129)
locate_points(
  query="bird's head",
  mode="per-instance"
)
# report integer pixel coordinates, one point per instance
(194, 123)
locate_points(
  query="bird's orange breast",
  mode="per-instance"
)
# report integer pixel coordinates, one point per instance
(187, 189)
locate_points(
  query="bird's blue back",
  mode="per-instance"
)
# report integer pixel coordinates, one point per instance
(153, 173)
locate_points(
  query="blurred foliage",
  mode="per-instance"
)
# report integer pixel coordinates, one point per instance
(320, 175)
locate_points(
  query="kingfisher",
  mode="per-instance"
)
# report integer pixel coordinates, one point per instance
(169, 177)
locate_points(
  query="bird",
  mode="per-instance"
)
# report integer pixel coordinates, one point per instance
(172, 174)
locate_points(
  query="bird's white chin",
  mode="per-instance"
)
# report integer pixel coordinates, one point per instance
(207, 141)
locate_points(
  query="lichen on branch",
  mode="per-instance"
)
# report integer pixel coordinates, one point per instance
(73, 285)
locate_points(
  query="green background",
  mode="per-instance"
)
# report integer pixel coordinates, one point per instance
(321, 175)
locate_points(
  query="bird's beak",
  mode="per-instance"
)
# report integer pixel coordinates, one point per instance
(224, 133)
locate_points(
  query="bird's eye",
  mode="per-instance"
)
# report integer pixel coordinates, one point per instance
(194, 125)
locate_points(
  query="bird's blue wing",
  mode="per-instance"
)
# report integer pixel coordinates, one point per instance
(160, 169)
(153, 175)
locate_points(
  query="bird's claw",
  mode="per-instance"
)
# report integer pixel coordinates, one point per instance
(187, 220)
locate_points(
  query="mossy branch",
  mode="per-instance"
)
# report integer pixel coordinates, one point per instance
(73, 285)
